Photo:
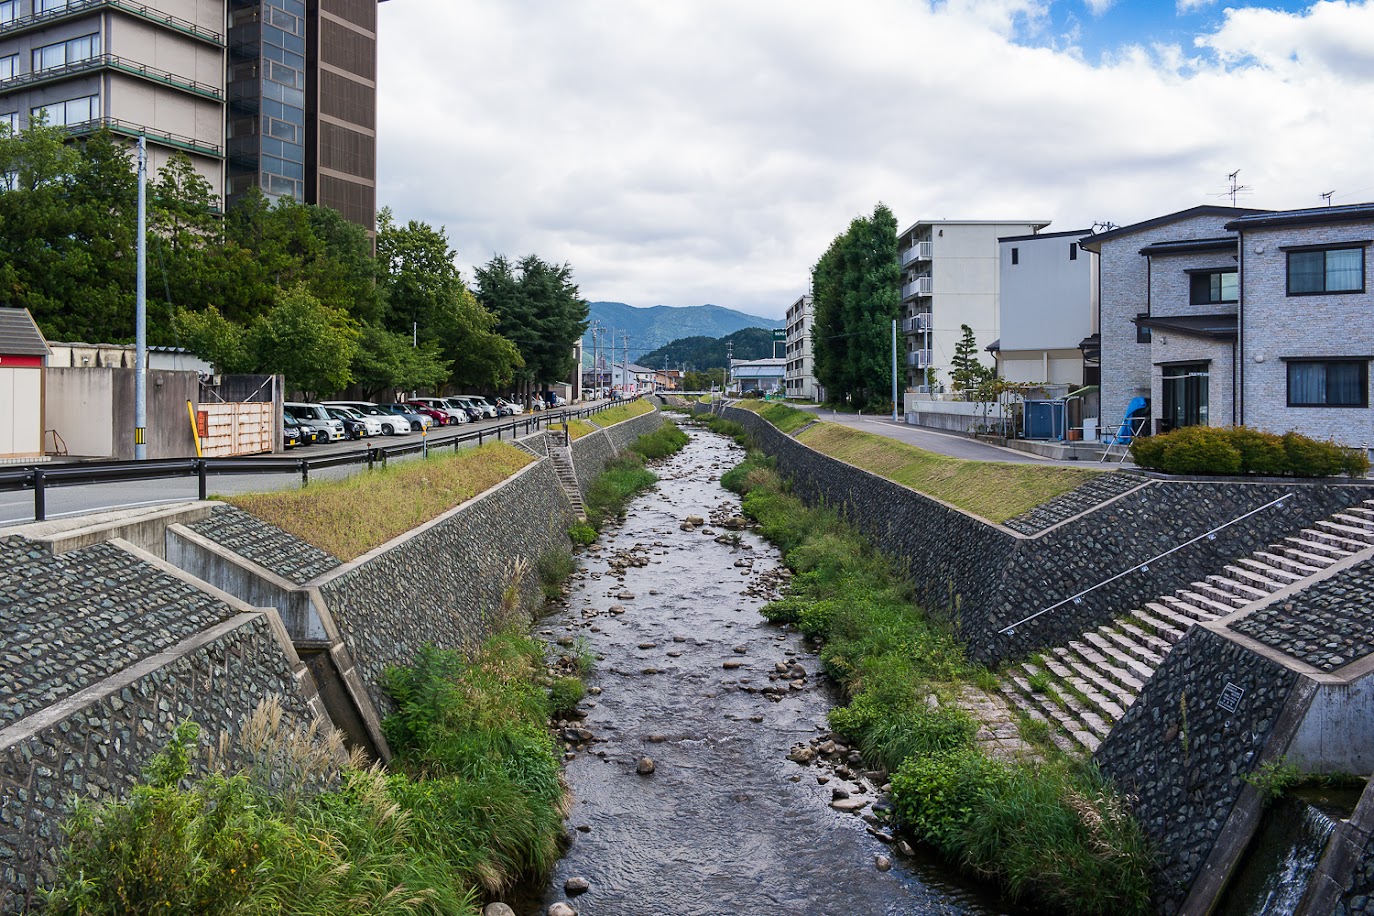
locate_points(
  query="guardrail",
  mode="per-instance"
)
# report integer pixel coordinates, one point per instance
(41, 478)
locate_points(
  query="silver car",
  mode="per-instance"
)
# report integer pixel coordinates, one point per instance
(317, 416)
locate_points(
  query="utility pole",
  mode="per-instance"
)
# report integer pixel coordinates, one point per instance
(625, 361)
(894, 370)
(141, 311)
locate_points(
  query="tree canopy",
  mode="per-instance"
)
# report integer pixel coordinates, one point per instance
(857, 295)
(537, 307)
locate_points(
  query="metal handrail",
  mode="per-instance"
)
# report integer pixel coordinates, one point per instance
(76, 7)
(1142, 567)
(42, 476)
(116, 62)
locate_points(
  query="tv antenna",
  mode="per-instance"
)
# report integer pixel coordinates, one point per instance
(1326, 196)
(1236, 188)
(1103, 226)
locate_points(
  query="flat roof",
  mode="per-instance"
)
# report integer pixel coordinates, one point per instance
(1038, 223)
(1218, 327)
(1043, 235)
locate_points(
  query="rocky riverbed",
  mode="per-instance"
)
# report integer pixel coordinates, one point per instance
(704, 776)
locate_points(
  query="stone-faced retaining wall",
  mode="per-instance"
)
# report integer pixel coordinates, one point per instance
(989, 576)
(595, 450)
(442, 583)
(94, 744)
(1182, 750)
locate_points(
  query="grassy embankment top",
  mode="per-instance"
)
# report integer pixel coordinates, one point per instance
(992, 490)
(621, 412)
(349, 517)
(579, 428)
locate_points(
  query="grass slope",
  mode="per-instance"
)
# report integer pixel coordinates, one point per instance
(989, 489)
(621, 412)
(349, 517)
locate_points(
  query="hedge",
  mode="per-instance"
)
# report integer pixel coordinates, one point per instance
(1235, 450)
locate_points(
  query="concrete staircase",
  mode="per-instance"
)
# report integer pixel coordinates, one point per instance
(561, 455)
(1080, 690)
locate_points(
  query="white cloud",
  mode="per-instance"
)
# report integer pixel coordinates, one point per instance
(1098, 7)
(708, 152)
(1192, 6)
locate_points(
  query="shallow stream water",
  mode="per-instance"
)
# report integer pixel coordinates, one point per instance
(726, 823)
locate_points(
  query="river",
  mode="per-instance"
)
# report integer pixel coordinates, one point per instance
(725, 823)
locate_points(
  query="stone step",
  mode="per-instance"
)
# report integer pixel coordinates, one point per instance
(1031, 710)
(1224, 598)
(1117, 655)
(1323, 534)
(1259, 575)
(1139, 629)
(1126, 644)
(1178, 620)
(1268, 566)
(1240, 589)
(1356, 534)
(1358, 519)
(1059, 718)
(1196, 606)
(1293, 560)
(1365, 511)
(1101, 680)
(1313, 552)
(1123, 675)
(1085, 691)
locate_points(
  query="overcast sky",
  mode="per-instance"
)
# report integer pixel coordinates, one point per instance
(679, 152)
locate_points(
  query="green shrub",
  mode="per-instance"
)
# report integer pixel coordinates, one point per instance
(667, 440)
(784, 610)
(564, 695)
(582, 534)
(1241, 450)
(624, 478)
(554, 568)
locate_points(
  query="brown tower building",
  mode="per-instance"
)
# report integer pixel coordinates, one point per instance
(341, 103)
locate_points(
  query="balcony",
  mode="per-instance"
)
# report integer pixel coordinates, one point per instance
(918, 252)
(917, 324)
(917, 287)
(133, 131)
(919, 359)
(75, 8)
(111, 62)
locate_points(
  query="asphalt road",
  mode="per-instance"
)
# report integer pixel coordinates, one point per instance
(62, 502)
(952, 444)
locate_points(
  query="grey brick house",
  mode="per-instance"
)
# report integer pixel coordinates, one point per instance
(1225, 316)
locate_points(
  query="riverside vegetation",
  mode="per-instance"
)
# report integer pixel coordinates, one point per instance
(472, 803)
(1052, 830)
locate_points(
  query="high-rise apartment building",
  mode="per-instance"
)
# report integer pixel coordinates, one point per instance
(801, 364)
(950, 278)
(275, 94)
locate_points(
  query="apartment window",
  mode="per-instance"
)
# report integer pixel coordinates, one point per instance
(8, 65)
(1185, 396)
(1016, 256)
(1073, 251)
(1329, 270)
(49, 6)
(72, 111)
(9, 10)
(1328, 383)
(9, 121)
(1209, 287)
(66, 52)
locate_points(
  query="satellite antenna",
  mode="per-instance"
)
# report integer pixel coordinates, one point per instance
(1326, 196)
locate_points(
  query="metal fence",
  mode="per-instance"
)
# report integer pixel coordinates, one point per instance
(41, 478)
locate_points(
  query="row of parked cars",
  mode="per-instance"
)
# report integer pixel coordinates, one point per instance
(332, 421)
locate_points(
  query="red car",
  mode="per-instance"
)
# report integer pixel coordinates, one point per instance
(438, 416)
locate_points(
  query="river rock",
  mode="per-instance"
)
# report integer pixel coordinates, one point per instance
(648, 645)
(882, 863)
(732, 665)
(802, 754)
(849, 805)
(574, 886)
(561, 909)
(645, 767)
(497, 909)
(696, 521)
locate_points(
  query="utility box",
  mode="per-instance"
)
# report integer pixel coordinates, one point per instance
(1043, 420)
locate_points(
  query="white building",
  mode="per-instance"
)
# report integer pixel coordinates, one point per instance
(800, 381)
(1046, 308)
(950, 277)
(763, 375)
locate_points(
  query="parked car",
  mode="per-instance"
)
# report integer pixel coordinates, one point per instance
(308, 435)
(355, 424)
(464, 403)
(392, 424)
(290, 434)
(511, 407)
(317, 416)
(442, 414)
(487, 407)
(418, 421)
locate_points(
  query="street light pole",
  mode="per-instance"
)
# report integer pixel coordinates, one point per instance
(141, 311)
(894, 370)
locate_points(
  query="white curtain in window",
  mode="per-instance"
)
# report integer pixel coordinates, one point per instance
(1343, 270)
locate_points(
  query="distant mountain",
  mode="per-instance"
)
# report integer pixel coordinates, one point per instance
(703, 353)
(651, 328)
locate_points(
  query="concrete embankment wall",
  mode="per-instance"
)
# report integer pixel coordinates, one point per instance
(595, 450)
(988, 576)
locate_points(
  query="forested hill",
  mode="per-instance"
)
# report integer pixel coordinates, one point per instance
(651, 328)
(702, 353)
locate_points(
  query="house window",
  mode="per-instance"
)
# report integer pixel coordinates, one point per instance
(1185, 396)
(1016, 256)
(1330, 270)
(1142, 332)
(1328, 383)
(1073, 251)
(1210, 287)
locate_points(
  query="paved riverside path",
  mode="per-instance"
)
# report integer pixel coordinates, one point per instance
(941, 443)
